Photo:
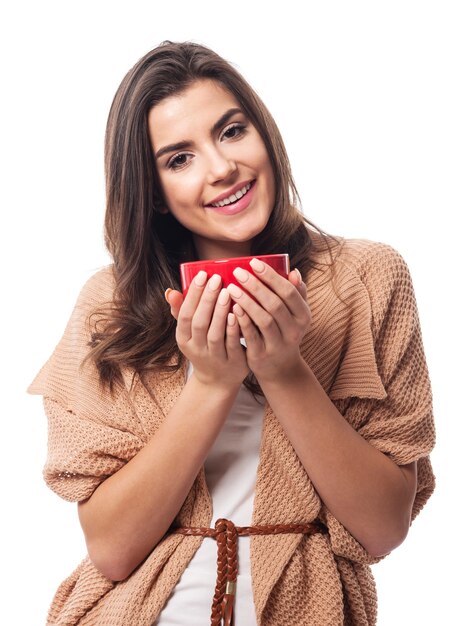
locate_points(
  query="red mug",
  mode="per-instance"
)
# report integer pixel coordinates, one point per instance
(224, 267)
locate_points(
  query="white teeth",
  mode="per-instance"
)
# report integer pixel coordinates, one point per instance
(235, 196)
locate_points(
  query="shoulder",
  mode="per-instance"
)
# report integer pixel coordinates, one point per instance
(370, 271)
(361, 256)
(378, 266)
(98, 289)
(370, 259)
(385, 275)
(382, 269)
(94, 298)
(62, 373)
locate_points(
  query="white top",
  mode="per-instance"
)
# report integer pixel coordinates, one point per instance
(230, 469)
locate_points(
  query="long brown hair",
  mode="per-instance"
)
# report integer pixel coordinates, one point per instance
(137, 330)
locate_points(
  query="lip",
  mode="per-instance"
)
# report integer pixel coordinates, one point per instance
(236, 207)
(230, 192)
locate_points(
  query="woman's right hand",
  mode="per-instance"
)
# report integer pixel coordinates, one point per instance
(207, 333)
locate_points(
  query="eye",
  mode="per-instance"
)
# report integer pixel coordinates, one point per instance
(234, 130)
(178, 161)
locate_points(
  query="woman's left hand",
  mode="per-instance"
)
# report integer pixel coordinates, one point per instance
(274, 326)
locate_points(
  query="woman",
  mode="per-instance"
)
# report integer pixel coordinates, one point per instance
(163, 426)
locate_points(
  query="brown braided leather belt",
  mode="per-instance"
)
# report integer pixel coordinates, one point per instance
(226, 535)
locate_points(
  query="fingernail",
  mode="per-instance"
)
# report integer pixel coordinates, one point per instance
(241, 274)
(231, 319)
(235, 291)
(257, 265)
(299, 274)
(224, 296)
(238, 310)
(200, 278)
(166, 294)
(214, 282)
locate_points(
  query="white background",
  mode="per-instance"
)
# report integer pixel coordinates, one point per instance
(372, 100)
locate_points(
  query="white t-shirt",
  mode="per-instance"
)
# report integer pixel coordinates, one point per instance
(230, 470)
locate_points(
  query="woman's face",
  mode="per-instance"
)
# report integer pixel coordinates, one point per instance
(213, 167)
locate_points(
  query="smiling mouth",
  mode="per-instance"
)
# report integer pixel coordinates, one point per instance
(228, 207)
(233, 198)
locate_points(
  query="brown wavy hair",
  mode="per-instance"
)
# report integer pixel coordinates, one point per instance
(136, 329)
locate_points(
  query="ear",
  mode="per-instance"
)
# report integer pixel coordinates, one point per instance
(160, 208)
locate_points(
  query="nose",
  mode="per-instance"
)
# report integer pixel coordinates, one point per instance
(220, 166)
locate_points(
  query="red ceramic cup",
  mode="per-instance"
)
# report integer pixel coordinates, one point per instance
(225, 267)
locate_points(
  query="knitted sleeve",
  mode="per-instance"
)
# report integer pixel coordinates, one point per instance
(91, 432)
(401, 424)
(82, 452)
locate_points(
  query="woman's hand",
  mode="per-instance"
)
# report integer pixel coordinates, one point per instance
(274, 326)
(207, 334)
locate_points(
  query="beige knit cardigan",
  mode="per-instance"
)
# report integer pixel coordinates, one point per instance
(364, 346)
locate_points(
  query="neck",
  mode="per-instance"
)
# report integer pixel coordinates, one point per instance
(221, 249)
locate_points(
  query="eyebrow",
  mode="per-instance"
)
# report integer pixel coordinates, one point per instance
(184, 145)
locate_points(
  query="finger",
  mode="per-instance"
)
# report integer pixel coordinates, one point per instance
(189, 306)
(217, 329)
(278, 284)
(295, 278)
(269, 313)
(203, 315)
(233, 335)
(175, 299)
(251, 334)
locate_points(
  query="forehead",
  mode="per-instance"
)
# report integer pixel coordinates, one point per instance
(196, 108)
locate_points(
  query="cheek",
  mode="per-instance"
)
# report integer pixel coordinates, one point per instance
(264, 164)
(181, 190)
(266, 167)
